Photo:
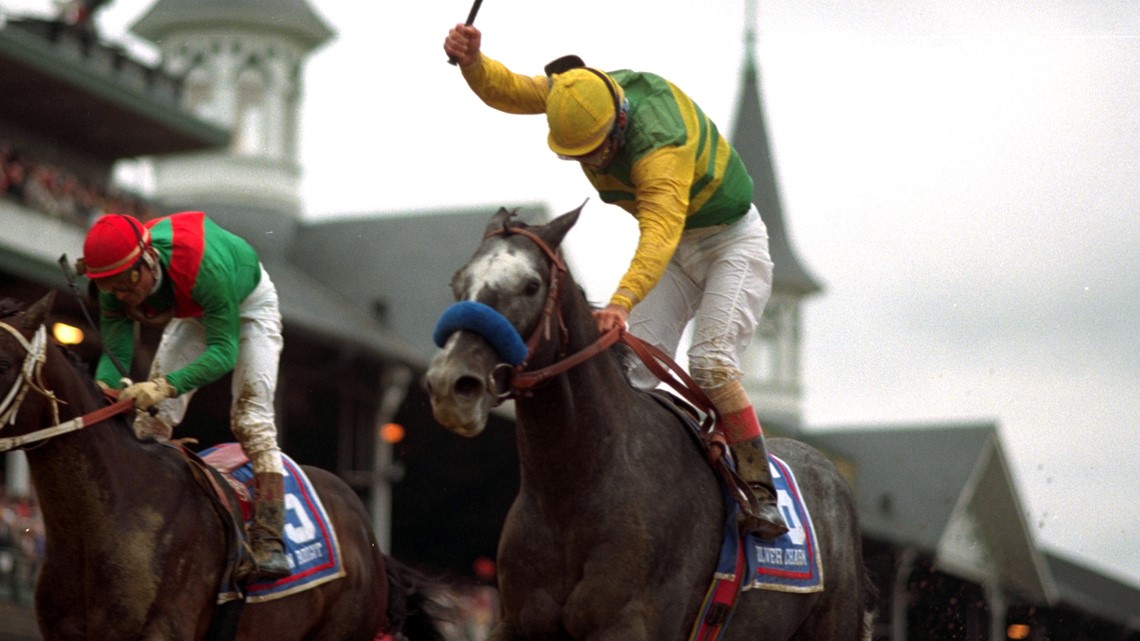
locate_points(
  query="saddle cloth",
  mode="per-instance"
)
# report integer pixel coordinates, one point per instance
(789, 563)
(311, 545)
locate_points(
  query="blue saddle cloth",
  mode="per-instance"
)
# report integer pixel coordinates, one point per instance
(311, 545)
(789, 563)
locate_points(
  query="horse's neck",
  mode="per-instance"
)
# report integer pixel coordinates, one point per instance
(562, 425)
(93, 466)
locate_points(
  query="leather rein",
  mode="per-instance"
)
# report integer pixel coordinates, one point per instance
(31, 378)
(522, 380)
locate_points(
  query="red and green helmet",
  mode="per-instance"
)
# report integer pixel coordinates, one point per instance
(115, 243)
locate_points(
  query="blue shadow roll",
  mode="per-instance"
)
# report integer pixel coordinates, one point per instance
(484, 321)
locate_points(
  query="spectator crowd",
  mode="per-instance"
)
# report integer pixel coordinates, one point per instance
(60, 193)
(21, 546)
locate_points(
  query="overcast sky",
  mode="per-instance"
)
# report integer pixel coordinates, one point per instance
(961, 177)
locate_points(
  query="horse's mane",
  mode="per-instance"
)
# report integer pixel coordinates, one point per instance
(627, 359)
(82, 368)
(10, 307)
(83, 371)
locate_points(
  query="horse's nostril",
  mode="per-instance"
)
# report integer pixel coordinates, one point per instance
(468, 386)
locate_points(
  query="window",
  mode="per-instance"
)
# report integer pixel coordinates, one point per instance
(198, 90)
(251, 129)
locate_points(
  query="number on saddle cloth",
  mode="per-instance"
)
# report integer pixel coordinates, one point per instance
(484, 321)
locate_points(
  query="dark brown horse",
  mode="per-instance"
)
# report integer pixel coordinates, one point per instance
(615, 532)
(135, 548)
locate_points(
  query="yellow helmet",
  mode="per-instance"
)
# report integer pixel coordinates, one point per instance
(581, 110)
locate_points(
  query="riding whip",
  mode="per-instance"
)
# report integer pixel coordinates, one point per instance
(451, 60)
(73, 284)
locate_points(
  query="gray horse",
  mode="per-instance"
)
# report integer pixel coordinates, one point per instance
(616, 529)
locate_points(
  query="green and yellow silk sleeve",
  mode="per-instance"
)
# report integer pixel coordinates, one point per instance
(504, 89)
(662, 200)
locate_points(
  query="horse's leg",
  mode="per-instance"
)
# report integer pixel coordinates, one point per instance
(632, 623)
(837, 615)
(59, 611)
(61, 629)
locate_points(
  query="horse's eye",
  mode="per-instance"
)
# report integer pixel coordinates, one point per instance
(532, 287)
(5, 366)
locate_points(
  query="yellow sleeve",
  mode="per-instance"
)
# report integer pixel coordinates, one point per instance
(661, 179)
(504, 89)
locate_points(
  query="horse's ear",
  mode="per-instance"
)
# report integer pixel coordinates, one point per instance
(554, 231)
(499, 221)
(36, 314)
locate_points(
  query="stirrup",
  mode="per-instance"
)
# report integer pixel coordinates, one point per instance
(272, 567)
(763, 519)
(763, 528)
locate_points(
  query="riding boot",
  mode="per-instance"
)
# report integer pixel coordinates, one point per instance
(752, 465)
(268, 523)
(751, 456)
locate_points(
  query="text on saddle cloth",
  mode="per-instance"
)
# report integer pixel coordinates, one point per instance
(311, 545)
(789, 563)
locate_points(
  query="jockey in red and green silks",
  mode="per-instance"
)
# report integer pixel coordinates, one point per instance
(218, 308)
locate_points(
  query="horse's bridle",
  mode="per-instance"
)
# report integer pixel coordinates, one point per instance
(31, 378)
(520, 379)
(31, 373)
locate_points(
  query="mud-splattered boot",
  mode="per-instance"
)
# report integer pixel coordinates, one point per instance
(765, 520)
(268, 524)
(752, 465)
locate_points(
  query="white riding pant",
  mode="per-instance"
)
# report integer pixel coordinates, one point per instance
(720, 277)
(254, 376)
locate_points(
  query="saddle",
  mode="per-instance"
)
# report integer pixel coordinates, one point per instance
(711, 442)
(233, 513)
